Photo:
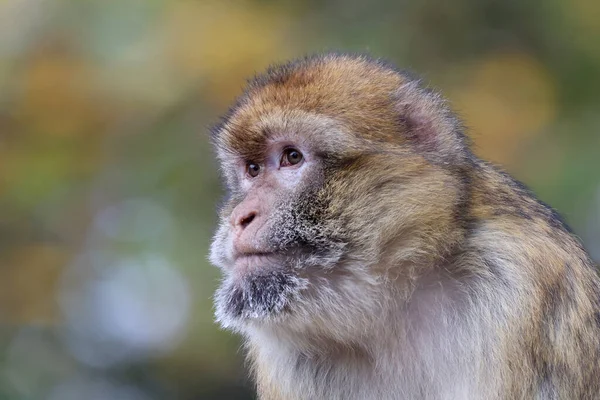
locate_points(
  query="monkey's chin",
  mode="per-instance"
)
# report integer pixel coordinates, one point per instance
(257, 296)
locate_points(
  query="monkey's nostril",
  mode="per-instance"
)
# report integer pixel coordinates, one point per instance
(244, 222)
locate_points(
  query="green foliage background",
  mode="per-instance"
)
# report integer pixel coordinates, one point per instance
(108, 186)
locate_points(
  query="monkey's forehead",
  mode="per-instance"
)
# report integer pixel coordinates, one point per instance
(357, 92)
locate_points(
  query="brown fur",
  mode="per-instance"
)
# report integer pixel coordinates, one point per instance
(452, 280)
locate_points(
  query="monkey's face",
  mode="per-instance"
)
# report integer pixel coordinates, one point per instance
(277, 232)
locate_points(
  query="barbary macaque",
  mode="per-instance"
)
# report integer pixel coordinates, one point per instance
(367, 253)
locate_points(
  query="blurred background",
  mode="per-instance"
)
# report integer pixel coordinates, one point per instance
(108, 185)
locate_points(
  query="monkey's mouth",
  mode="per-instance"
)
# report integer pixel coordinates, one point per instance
(266, 286)
(252, 262)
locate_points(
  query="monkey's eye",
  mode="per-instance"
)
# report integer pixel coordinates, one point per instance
(252, 169)
(291, 156)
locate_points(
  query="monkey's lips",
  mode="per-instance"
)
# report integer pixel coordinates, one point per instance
(251, 262)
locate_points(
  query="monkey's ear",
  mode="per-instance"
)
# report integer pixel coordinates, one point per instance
(430, 126)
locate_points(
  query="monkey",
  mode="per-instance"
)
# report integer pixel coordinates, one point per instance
(367, 253)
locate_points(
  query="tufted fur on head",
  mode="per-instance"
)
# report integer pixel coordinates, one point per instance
(412, 269)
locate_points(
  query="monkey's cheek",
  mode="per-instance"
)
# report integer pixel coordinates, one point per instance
(221, 250)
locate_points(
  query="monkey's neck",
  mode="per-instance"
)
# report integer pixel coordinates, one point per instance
(410, 348)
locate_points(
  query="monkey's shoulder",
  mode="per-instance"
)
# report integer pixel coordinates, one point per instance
(510, 226)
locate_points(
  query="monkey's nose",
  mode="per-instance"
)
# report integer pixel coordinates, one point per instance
(246, 219)
(242, 220)
(245, 213)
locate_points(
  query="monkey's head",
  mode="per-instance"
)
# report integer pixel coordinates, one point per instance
(344, 180)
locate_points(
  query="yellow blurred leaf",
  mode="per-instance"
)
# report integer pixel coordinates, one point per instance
(28, 284)
(56, 96)
(585, 17)
(507, 100)
(224, 42)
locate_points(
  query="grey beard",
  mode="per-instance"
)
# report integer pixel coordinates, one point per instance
(256, 296)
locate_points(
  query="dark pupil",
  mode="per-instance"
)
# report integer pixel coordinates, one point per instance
(294, 156)
(253, 169)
